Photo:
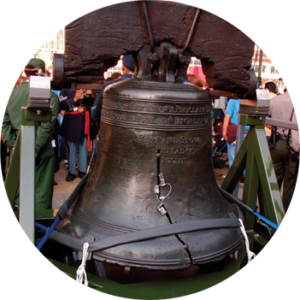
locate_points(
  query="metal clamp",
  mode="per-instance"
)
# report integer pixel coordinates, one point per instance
(160, 198)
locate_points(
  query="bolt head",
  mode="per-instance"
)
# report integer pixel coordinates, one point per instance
(182, 59)
(153, 58)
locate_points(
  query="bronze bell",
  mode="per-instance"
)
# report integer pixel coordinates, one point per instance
(153, 167)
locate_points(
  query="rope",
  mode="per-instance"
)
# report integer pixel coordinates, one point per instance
(250, 254)
(81, 273)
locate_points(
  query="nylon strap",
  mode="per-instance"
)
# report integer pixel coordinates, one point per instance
(232, 199)
(146, 234)
(243, 206)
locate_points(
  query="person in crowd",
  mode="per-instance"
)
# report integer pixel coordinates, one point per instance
(20, 80)
(195, 79)
(3, 158)
(231, 115)
(115, 75)
(75, 128)
(56, 127)
(108, 79)
(285, 154)
(271, 86)
(127, 70)
(39, 64)
(3, 153)
(47, 74)
(45, 160)
(56, 146)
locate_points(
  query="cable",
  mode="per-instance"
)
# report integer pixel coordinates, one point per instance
(220, 150)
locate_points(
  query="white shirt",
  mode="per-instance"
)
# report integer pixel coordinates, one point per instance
(281, 108)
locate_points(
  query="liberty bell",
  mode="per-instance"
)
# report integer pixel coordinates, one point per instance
(153, 167)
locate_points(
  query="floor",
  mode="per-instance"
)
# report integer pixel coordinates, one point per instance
(63, 189)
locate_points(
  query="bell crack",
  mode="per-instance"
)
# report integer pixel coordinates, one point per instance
(166, 213)
(185, 245)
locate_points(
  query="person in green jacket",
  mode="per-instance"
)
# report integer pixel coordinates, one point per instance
(45, 159)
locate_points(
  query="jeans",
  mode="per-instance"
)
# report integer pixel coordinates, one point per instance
(231, 152)
(82, 155)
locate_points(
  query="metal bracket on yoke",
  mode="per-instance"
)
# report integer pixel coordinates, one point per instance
(263, 98)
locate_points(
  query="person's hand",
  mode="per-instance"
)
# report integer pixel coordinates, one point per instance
(78, 95)
(89, 92)
(225, 137)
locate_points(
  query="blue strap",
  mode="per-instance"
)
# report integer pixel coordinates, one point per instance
(275, 226)
(40, 226)
(42, 242)
(242, 205)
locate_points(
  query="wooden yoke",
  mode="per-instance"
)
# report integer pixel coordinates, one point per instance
(96, 41)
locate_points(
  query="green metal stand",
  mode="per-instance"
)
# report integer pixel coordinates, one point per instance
(260, 185)
(11, 186)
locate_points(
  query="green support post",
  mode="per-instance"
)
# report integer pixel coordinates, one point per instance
(260, 179)
(11, 186)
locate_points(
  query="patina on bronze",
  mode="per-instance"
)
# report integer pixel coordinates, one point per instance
(154, 167)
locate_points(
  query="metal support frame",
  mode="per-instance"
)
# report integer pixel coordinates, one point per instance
(21, 172)
(239, 141)
(281, 123)
(260, 178)
(27, 180)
